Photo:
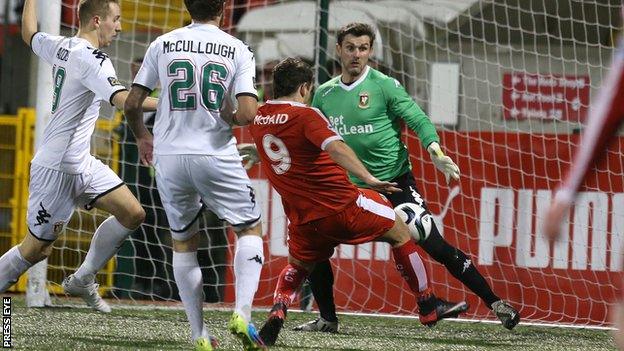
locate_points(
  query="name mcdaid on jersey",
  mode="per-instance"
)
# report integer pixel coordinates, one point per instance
(197, 47)
(278, 118)
(342, 129)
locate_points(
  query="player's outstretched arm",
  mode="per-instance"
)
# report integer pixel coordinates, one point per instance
(247, 109)
(150, 104)
(343, 155)
(133, 110)
(442, 162)
(29, 21)
(603, 121)
(400, 103)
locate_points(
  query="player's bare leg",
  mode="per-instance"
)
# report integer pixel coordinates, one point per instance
(19, 258)
(410, 266)
(288, 283)
(248, 260)
(126, 215)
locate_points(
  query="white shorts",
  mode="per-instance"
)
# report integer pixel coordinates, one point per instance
(53, 196)
(188, 183)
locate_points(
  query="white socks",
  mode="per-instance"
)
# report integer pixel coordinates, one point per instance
(248, 261)
(106, 241)
(188, 277)
(12, 266)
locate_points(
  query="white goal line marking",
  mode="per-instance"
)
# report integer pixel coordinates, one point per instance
(485, 321)
(179, 307)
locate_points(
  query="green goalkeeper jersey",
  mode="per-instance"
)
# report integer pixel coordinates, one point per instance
(367, 114)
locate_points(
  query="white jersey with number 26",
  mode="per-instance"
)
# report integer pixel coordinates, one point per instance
(82, 77)
(197, 66)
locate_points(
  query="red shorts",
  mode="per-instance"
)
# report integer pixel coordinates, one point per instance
(366, 219)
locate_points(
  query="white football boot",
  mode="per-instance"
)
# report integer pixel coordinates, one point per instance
(318, 325)
(89, 293)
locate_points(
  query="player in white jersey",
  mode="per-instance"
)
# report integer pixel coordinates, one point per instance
(195, 156)
(63, 174)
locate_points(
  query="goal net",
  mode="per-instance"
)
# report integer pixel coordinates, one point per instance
(507, 83)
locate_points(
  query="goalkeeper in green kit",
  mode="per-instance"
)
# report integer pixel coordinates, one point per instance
(366, 108)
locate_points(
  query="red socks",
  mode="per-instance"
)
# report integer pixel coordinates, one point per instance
(290, 279)
(411, 267)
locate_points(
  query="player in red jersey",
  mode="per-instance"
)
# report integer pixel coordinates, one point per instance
(305, 161)
(605, 118)
(603, 123)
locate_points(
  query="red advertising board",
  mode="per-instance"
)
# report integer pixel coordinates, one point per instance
(505, 185)
(551, 96)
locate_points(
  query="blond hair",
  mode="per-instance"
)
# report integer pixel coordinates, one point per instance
(89, 8)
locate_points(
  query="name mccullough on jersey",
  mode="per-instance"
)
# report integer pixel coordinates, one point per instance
(196, 47)
(199, 66)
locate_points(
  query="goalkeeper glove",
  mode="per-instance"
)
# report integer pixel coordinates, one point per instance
(442, 162)
(249, 153)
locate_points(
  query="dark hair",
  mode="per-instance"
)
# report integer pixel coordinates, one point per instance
(289, 74)
(89, 8)
(357, 30)
(204, 10)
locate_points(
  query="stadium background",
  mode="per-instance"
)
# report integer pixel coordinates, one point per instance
(477, 67)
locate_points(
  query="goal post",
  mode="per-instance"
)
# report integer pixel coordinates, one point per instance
(508, 85)
(49, 15)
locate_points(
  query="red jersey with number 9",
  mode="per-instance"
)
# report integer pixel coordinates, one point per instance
(291, 139)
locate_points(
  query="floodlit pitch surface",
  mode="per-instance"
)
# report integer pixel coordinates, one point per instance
(127, 328)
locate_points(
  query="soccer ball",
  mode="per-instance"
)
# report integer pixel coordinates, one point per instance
(417, 219)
